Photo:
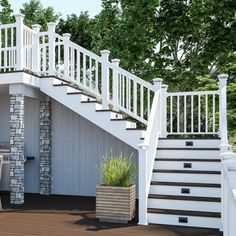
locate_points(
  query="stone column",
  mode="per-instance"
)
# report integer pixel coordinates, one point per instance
(17, 148)
(45, 148)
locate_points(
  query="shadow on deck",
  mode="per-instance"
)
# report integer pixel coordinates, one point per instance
(67, 215)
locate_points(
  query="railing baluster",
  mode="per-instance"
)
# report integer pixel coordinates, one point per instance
(135, 98)
(84, 69)
(171, 114)
(192, 114)
(185, 114)
(206, 129)
(148, 112)
(213, 112)
(178, 128)
(141, 103)
(78, 66)
(90, 72)
(199, 113)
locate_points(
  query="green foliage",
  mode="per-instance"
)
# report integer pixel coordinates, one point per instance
(80, 27)
(35, 13)
(6, 12)
(117, 171)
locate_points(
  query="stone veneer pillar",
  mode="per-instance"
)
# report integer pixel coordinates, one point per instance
(17, 148)
(45, 148)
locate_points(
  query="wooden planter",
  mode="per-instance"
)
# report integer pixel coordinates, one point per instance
(115, 204)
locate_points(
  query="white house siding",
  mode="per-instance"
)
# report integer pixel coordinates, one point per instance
(31, 141)
(4, 118)
(77, 147)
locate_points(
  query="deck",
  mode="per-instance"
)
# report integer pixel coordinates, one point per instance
(66, 215)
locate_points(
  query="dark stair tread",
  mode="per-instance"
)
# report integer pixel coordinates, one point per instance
(91, 101)
(190, 149)
(109, 110)
(184, 213)
(188, 159)
(136, 129)
(184, 198)
(187, 171)
(186, 184)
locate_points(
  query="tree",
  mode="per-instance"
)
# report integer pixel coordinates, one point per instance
(6, 12)
(80, 28)
(35, 13)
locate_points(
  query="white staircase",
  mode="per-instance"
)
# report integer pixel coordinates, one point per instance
(87, 106)
(186, 184)
(179, 180)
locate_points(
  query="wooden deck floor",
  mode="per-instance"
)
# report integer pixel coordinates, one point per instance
(63, 215)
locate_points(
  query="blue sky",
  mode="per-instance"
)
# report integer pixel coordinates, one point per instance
(65, 6)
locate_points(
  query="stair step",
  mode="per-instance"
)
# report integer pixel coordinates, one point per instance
(189, 149)
(188, 143)
(187, 171)
(184, 198)
(205, 185)
(183, 202)
(185, 190)
(186, 177)
(185, 220)
(188, 164)
(186, 213)
(193, 153)
(188, 160)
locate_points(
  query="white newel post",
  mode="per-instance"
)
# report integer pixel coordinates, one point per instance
(228, 200)
(36, 52)
(19, 41)
(163, 126)
(224, 147)
(51, 39)
(142, 190)
(105, 78)
(66, 55)
(116, 63)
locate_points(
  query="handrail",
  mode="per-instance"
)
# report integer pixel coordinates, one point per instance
(95, 74)
(147, 151)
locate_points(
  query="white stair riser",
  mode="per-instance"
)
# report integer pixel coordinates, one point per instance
(205, 154)
(193, 221)
(114, 115)
(179, 165)
(192, 178)
(72, 90)
(184, 205)
(194, 191)
(199, 143)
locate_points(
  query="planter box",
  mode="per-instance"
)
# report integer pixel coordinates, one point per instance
(115, 204)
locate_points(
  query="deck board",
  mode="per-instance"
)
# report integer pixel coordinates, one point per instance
(66, 215)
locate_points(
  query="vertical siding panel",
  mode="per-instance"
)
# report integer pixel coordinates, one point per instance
(79, 147)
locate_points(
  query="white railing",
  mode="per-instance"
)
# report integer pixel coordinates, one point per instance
(7, 47)
(229, 193)
(193, 112)
(148, 150)
(95, 74)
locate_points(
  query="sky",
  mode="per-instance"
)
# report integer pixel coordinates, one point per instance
(65, 7)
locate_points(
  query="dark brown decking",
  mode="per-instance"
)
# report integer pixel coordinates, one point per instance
(63, 215)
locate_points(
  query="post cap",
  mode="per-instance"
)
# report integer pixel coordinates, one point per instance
(67, 35)
(104, 52)
(51, 24)
(157, 80)
(115, 61)
(36, 27)
(19, 16)
(223, 76)
(164, 86)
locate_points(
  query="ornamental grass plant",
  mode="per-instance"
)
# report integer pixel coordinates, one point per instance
(117, 170)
